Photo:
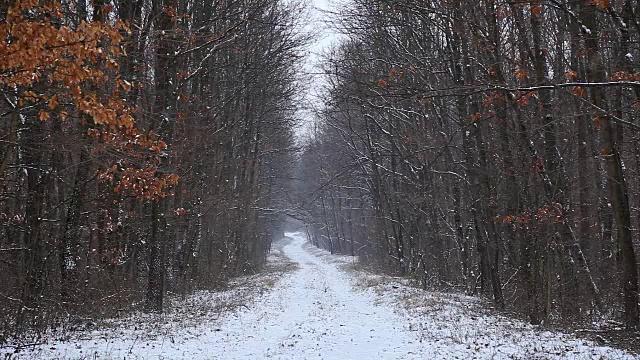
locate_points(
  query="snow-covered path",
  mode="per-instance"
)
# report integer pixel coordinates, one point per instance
(315, 314)
(311, 313)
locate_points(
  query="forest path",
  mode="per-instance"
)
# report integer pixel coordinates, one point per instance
(316, 314)
(318, 311)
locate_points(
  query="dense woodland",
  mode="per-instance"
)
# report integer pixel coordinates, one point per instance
(142, 144)
(490, 147)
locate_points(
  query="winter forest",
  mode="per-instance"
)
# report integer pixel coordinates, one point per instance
(140, 141)
(151, 150)
(490, 147)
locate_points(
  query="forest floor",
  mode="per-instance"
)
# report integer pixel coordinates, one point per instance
(312, 305)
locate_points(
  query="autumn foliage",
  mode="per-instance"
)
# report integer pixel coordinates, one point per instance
(134, 137)
(74, 73)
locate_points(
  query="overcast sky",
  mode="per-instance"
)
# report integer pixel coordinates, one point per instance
(324, 38)
(319, 23)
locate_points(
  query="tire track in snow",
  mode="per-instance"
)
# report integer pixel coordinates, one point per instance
(314, 313)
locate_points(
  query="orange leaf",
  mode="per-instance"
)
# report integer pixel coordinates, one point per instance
(536, 10)
(126, 86)
(597, 122)
(382, 83)
(43, 115)
(602, 4)
(53, 102)
(621, 76)
(522, 99)
(570, 75)
(521, 74)
(578, 90)
(179, 212)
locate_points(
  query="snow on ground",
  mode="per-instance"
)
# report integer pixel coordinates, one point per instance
(454, 326)
(322, 312)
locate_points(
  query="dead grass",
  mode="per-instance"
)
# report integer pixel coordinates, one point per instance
(203, 307)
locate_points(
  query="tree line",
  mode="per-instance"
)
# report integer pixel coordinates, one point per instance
(490, 147)
(142, 146)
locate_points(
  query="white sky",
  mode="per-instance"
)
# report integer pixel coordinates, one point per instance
(324, 37)
(318, 23)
